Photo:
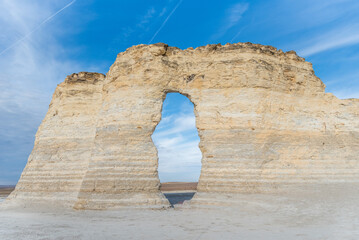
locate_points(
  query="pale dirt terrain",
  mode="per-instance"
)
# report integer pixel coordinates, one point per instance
(178, 186)
(316, 213)
(4, 192)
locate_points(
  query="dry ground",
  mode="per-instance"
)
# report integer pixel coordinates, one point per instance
(178, 186)
(6, 190)
(322, 212)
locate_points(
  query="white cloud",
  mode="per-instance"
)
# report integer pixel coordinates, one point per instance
(30, 71)
(180, 162)
(346, 93)
(144, 23)
(326, 25)
(147, 17)
(336, 38)
(234, 14)
(168, 142)
(27, 35)
(176, 139)
(344, 86)
(164, 10)
(179, 123)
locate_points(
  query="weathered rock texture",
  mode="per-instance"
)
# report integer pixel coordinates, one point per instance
(263, 117)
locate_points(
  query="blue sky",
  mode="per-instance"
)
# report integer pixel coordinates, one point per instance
(42, 41)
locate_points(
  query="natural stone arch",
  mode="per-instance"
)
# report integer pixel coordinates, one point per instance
(263, 117)
(143, 187)
(187, 133)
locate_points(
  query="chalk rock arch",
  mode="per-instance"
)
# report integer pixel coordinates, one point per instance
(264, 120)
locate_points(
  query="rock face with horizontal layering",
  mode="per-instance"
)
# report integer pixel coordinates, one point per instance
(264, 120)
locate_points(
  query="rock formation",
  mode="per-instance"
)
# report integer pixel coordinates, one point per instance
(264, 120)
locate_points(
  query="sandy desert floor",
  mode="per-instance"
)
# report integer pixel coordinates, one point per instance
(315, 214)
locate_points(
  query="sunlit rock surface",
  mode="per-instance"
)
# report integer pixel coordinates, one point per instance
(263, 117)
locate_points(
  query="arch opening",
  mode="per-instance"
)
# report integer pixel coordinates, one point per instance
(179, 157)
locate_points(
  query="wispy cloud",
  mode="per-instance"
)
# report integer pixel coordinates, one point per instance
(165, 21)
(147, 17)
(327, 34)
(29, 73)
(143, 23)
(336, 38)
(324, 26)
(345, 93)
(36, 28)
(176, 139)
(164, 10)
(233, 16)
(179, 123)
(344, 86)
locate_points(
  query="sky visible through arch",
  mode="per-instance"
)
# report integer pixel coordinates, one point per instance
(176, 139)
(42, 41)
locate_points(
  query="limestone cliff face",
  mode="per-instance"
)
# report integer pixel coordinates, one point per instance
(263, 117)
(63, 143)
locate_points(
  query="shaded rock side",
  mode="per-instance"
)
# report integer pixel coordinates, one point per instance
(63, 143)
(264, 120)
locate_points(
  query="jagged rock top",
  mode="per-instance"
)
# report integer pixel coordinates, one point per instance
(245, 47)
(162, 49)
(262, 67)
(85, 77)
(239, 65)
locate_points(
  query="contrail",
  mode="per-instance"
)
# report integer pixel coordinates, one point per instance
(165, 21)
(36, 28)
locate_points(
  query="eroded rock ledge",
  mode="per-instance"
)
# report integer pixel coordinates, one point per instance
(164, 49)
(263, 117)
(85, 77)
